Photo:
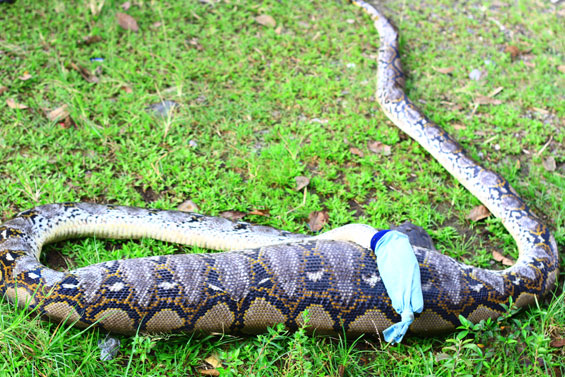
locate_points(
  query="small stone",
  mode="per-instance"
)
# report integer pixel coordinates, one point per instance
(162, 109)
(109, 348)
(549, 164)
(475, 74)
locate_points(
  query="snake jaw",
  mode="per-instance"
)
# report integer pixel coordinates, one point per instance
(360, 234)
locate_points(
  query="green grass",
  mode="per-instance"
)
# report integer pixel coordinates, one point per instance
(258, 107)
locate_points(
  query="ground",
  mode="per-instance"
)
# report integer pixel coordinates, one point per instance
(265, 93)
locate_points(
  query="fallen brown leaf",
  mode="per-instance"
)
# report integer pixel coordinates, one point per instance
(478, 213)
(266, 20)
(317, 220)
(127, 89)
(540, 110)
(513, 50)
(96, 7)
(14, 105)
(26, 76)
(459, 126)
(379, 148)
(127, 22)
(497, 256)
(232, 215)
(3, 89)
(59, 113)
(85, 73)
(356, 151)
(518, 164)
(193, 43)
(496, 91)
(549, 164)
(209, 372)
(561, 68)
(213, 361)
(556, 343)
(259, 212)
(483, 100)
(67, 123)
(301, 182)
(126, 5)
(188, 206)
(445, 71)
(90, 39)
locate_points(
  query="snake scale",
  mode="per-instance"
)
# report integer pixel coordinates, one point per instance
(267, 276)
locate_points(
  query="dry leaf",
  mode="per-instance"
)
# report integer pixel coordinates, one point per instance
(67, 123)
(459, 126)
(301, 182)
(478, 213)
(260, 212)
(213, 361)
(556, 343)
(126, 5)
(3, 89)
(539, 110)
(26, 76)
(127, 22)
(127, 89)
(379, 148)
(157, 24)
(561, 68)
(496, 91)
(85, 73)
(266, 20)
(278, 31)
(96, 6)
(13, 105)
(59, 113)
(483, 100)
(445, 71)
(356, 151)
(497, 256)
(317, 220)
(513, 50)
(90, 39)
(232, 215)
(549, 164)
(193, 42)
(209, 372)
(188, 206)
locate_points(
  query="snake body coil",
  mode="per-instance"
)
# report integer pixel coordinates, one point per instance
(278, 275)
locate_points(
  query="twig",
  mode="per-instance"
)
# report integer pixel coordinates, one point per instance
(545, 146)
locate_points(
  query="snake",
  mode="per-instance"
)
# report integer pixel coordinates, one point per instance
(262, 276)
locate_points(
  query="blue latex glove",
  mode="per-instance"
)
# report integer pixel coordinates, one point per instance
(400, 272)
